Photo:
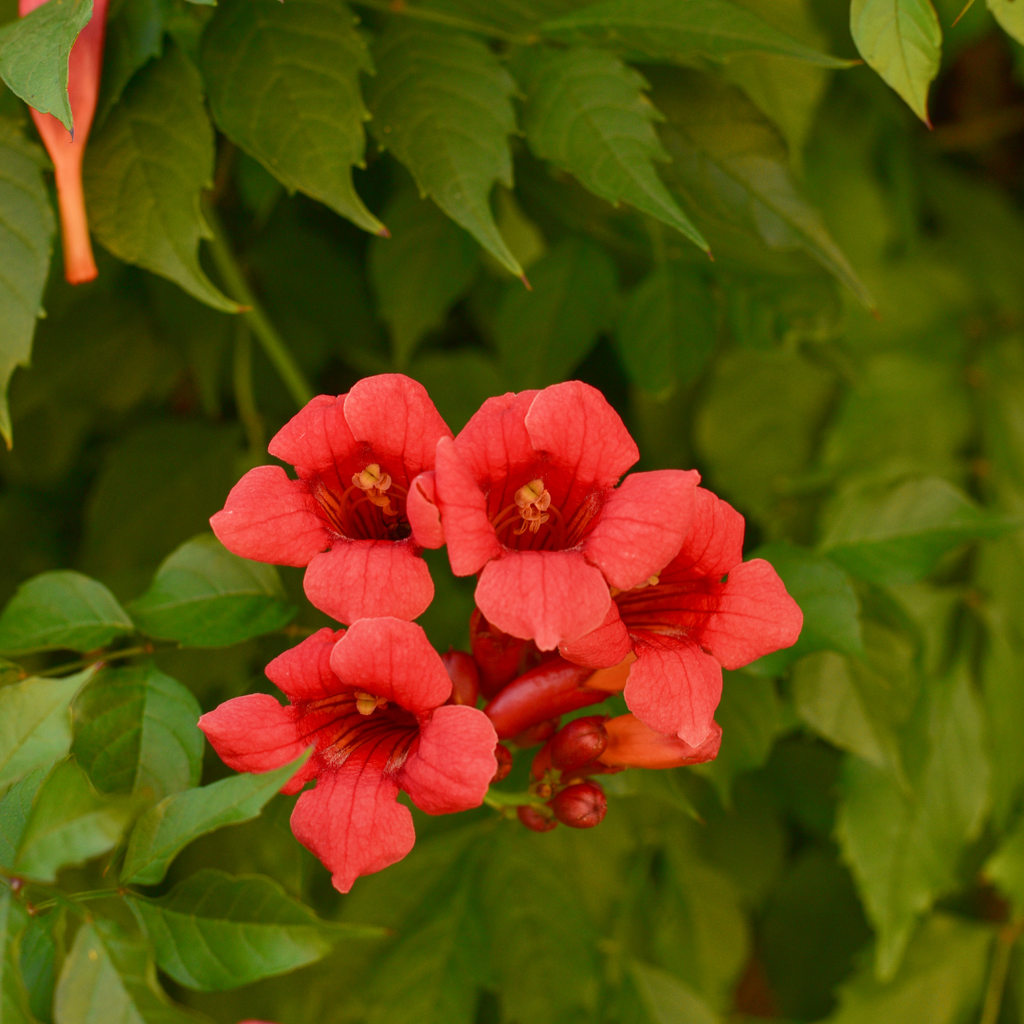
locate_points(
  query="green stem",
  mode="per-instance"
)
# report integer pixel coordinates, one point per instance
(245, 400)
(400, 7)
(499, 799)
(70, 666)
(266, 334)
(1008, 935)
(74, 898)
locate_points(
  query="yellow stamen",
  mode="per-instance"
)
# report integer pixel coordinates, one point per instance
(375, 484)
(533, 501)
(367, 703)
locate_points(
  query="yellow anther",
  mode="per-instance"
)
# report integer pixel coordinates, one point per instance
(533, 501)
(651, 581)
(375, 484)
(367, 703)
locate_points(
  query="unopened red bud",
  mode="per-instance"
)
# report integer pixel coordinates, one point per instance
(534, 819)
(465, 677)
(539, 733)
(580, 806)
(504, 756)
(581, 741)
(499, 656)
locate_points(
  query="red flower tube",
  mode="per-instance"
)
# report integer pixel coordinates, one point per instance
(372, 702)
(345, 517)
(631, 744)
(66, 151)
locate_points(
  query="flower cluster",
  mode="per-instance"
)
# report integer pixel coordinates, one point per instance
(589, 582)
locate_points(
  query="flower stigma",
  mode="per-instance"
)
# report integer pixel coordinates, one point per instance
(367, 703)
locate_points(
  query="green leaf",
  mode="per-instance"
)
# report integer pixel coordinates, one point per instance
(35, 723)
(667, 328)
(902, 41)
(61, 610)
(1009, 16)
(419, 273)
(1002, 672)
(26, 241)
(459, 382)
(664, 30)
(728, 162)
(283, 81)
(144, 171)
(108, 976)
(826, 598)
(586, 112)
(39, 961)
(135, 35)
(69, 823)
(666, 999)
(135, 732)
(543, 334)
(163, 831)
(440, 103)
(1006, 868)
(15, 807)
(34, 53)
(204, 596)
(899, 534)
(213, 931)
(904, 849)
(14, 1002)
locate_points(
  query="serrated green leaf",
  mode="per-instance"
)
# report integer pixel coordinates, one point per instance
(904, 849)
(69, 823)
(586, 112)
(204, 596)
(664, 30)
(26, 241)
(441, 103)
(543, 334)
(728, 162)
(144, 171)
(666, 999)
(420, 271)
(214, 931)
(61, 610)
(163, 831)
(108, 976)
(15, 807)
(35, 723)
(135, 732)
(902, 41)
(135, 35)
(283, 82)
(898, 534)
(34, 53)
(668, 328)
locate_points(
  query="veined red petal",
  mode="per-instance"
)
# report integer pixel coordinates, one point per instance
(422, 512)
(391, 658)
(631, 744)
(463, 507)
(603, 647)
(550, 597)
(360, 579)
(674, 687)
(316, 440)
(642, 525)
(715, 542)
(254, 733)
(303, 672)
(495, 438)
(271, 518)
(454, 762)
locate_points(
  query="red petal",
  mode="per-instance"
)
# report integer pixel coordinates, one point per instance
(631, 744)
(317, 440)
(495, 439)
(254, 733)
(470, 537)
(755, 616)
(271, 518)
(715, 542)
(304, 672)
(550, 597)
(359, 579)
(674, 687)
(395, 416)
(352, 822)
(422, 512)
(454, 763)
(393, 659)
(642, 525)
(605, 646)
(576, 425)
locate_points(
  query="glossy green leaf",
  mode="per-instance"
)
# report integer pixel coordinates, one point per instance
(663, 30)
(902, 41)
(441, 104)
(666, 999)
(420, 271)
(543, 334)
(204, 596)
(826, 598)
(898, 534)
(35, 723)
(69, 823)
(34, 53)
(108, 976)
(586, 112)
(61, 610)
(135, 732)
(144, 171)
(283, 81)
(163, 831)
(26, 239)
(214, 931)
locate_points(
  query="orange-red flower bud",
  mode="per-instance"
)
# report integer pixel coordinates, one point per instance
(578, 743)
(504, 756)
(580, 806)
(534, 819)
(465, 677)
